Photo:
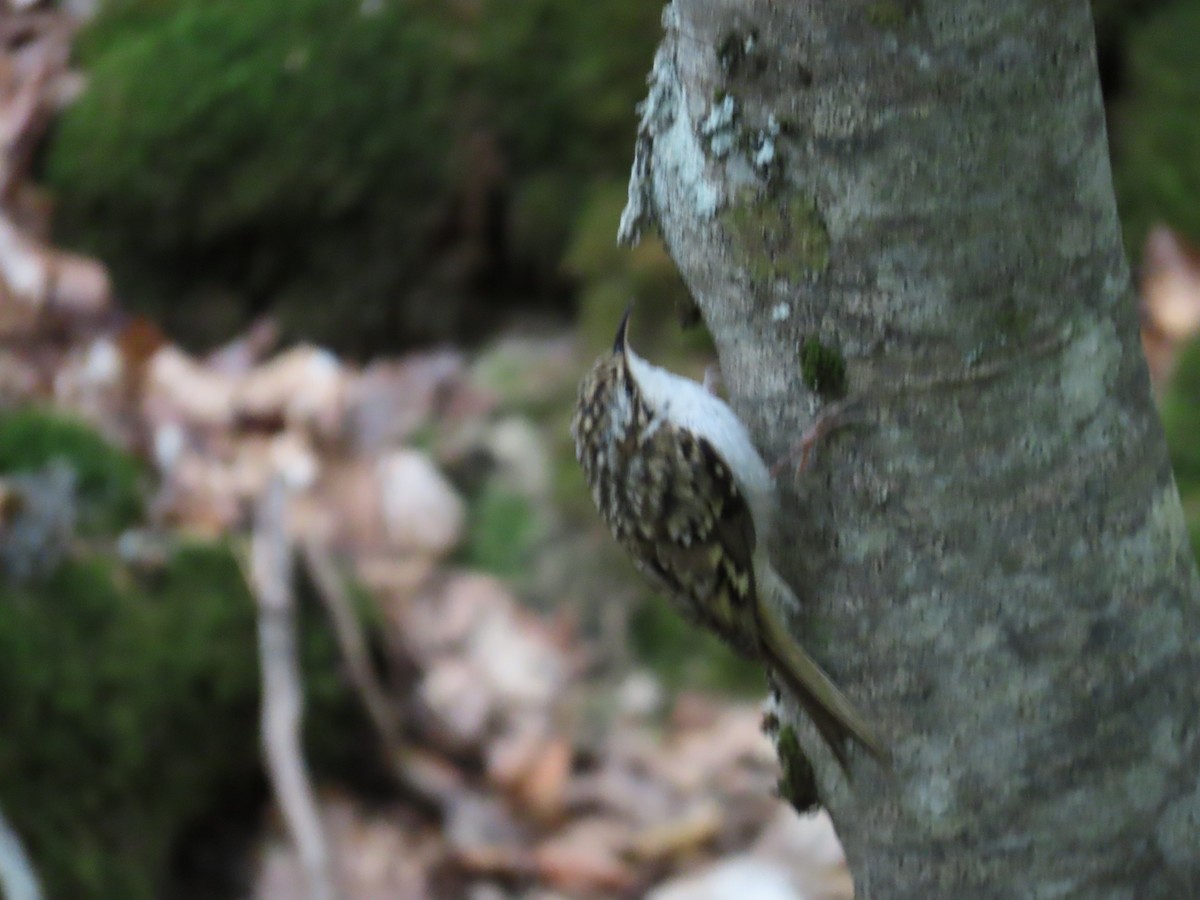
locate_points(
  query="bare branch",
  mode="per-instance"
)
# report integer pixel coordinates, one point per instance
(380, 709)
(283, 699)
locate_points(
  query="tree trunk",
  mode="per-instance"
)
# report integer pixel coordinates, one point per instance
(994, 564)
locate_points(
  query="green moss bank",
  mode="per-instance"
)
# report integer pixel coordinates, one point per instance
(129, 694)
(377, 174)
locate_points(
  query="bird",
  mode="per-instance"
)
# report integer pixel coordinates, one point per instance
(675, 476)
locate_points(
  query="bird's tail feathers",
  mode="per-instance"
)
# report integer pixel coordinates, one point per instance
(832, 711)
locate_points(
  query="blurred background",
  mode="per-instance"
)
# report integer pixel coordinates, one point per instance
(353, 257)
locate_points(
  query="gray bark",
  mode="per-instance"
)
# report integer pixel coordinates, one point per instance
(995, 565)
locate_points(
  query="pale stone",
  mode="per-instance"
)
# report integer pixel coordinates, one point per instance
(421, 511)
(735, 879)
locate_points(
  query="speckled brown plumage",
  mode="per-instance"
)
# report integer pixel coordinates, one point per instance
(672, 503)
(679, 483)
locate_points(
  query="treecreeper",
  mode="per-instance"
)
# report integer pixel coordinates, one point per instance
(681, 486)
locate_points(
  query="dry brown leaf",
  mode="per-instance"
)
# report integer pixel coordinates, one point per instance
(684, 835)
(239, 356)
(19, 380)
(393, 578)
(512, 754)
(586, 856)
(78, 285)
(542, 790)
(304, 386)
(377, 855)
(460, 703)
(441, 620)
(180, 389)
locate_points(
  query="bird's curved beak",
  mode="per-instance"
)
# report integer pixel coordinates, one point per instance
(622, 331)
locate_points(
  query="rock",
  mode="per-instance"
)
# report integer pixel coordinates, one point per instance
(640, 695)
(517, 658)
(421, 511)
(452, 693)
(808, 846)
(519, 452)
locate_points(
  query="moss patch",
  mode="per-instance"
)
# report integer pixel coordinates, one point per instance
(503, 531)
(130, 695)
(131, 709)
(780, 236)
(108, 482)
(342, 163)
(823, 368)
(798, 783)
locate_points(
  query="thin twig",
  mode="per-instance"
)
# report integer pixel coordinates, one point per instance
(17, 876)
(352, 643)
(282, 696)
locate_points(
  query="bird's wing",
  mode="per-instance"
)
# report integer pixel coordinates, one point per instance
(697, 537)
(696, 534)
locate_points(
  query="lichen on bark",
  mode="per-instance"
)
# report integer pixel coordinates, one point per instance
(776, 236)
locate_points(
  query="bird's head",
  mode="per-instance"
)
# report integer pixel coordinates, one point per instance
(606, 394)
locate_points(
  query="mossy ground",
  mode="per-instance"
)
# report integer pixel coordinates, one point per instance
(130, 694)
(376, 174)
(109, 483)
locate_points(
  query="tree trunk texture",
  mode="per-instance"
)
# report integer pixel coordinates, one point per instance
(994, 562)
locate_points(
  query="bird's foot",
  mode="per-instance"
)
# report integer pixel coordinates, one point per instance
(828, 420)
